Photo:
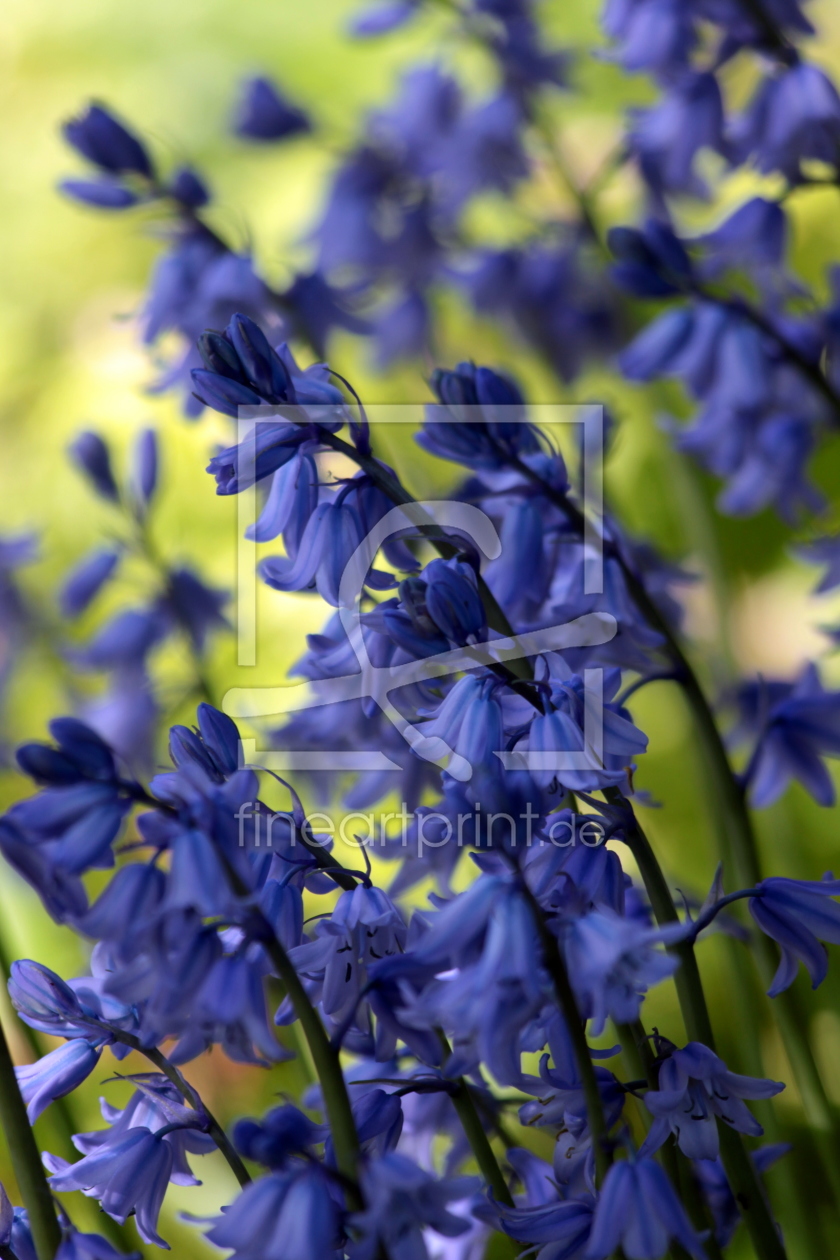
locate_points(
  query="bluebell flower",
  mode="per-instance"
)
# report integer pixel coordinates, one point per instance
(125, 714)
(401, 1201)
(56, 1074)
(558, 1230)
(242, 369)
(562, 730)
(194, 606)
(384, 16)
(146, 467)
(652, 262)
(86, 580)
(62, 894)
(104, 193)
(695, 1087)
(485, 153)
(127, 1178)
(290, 502)
(77, 1246)
(282, 1132)
(331, 537)
(793, 116)
(489, 935)
(379, 1120)
(263, 113)
(78, 1008)
(445, 599)
(21, 1242)
(79, 815)
(638, 1210)
(798, 914)
(105, 142)
(200, 283)
(718, 1194)
(755, 235)
(794, 725)
(655, 35)
(284, 1216)
(124, 641)
(188, 188)
(554, 295)
(612, 964)
(154, 1105)
(468, 722)
(666, 138)
(823, 551)
(364, 928)
(91, 453)
(316, 307)
(229, 1009)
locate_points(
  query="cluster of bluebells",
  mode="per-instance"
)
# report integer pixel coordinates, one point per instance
(207, 900)
(533, 942)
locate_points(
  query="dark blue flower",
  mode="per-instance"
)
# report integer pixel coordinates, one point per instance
(638, 1210)
(76, 1246)
(56, 1074)
(146, 467)
(613, 962)
(91, 453)
(195, 607)
(188, 188)
(795, 725)
(718, 1193)
(105, 142)
(652, 262)
(154, 1105)
(695, 1087)
(667, 138)
(559, 1230)
(798, 914)
(128, 1178)
(793, 116)
(401, 1201)
(263, 113)
(282, 1132)
(86, 580)
(385, 16)
(284, 1216)
(106, 194)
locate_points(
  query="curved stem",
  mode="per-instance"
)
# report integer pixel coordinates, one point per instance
(64, 1123)
(464, 1104)
(26, 1159)
(191, 1097)
(324, 1055)
(564, 995)
(736, 1161)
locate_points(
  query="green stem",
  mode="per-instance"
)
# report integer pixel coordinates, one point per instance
(191, 1097)
(637, 1049)
(64, 1124)
(736, 1161)
(327, 1065)
(325, 1057)
(474, 1131)
(564, 995)
(737, 845)
(26, 1160)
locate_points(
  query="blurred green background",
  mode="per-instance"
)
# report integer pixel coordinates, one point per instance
(72, 285)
